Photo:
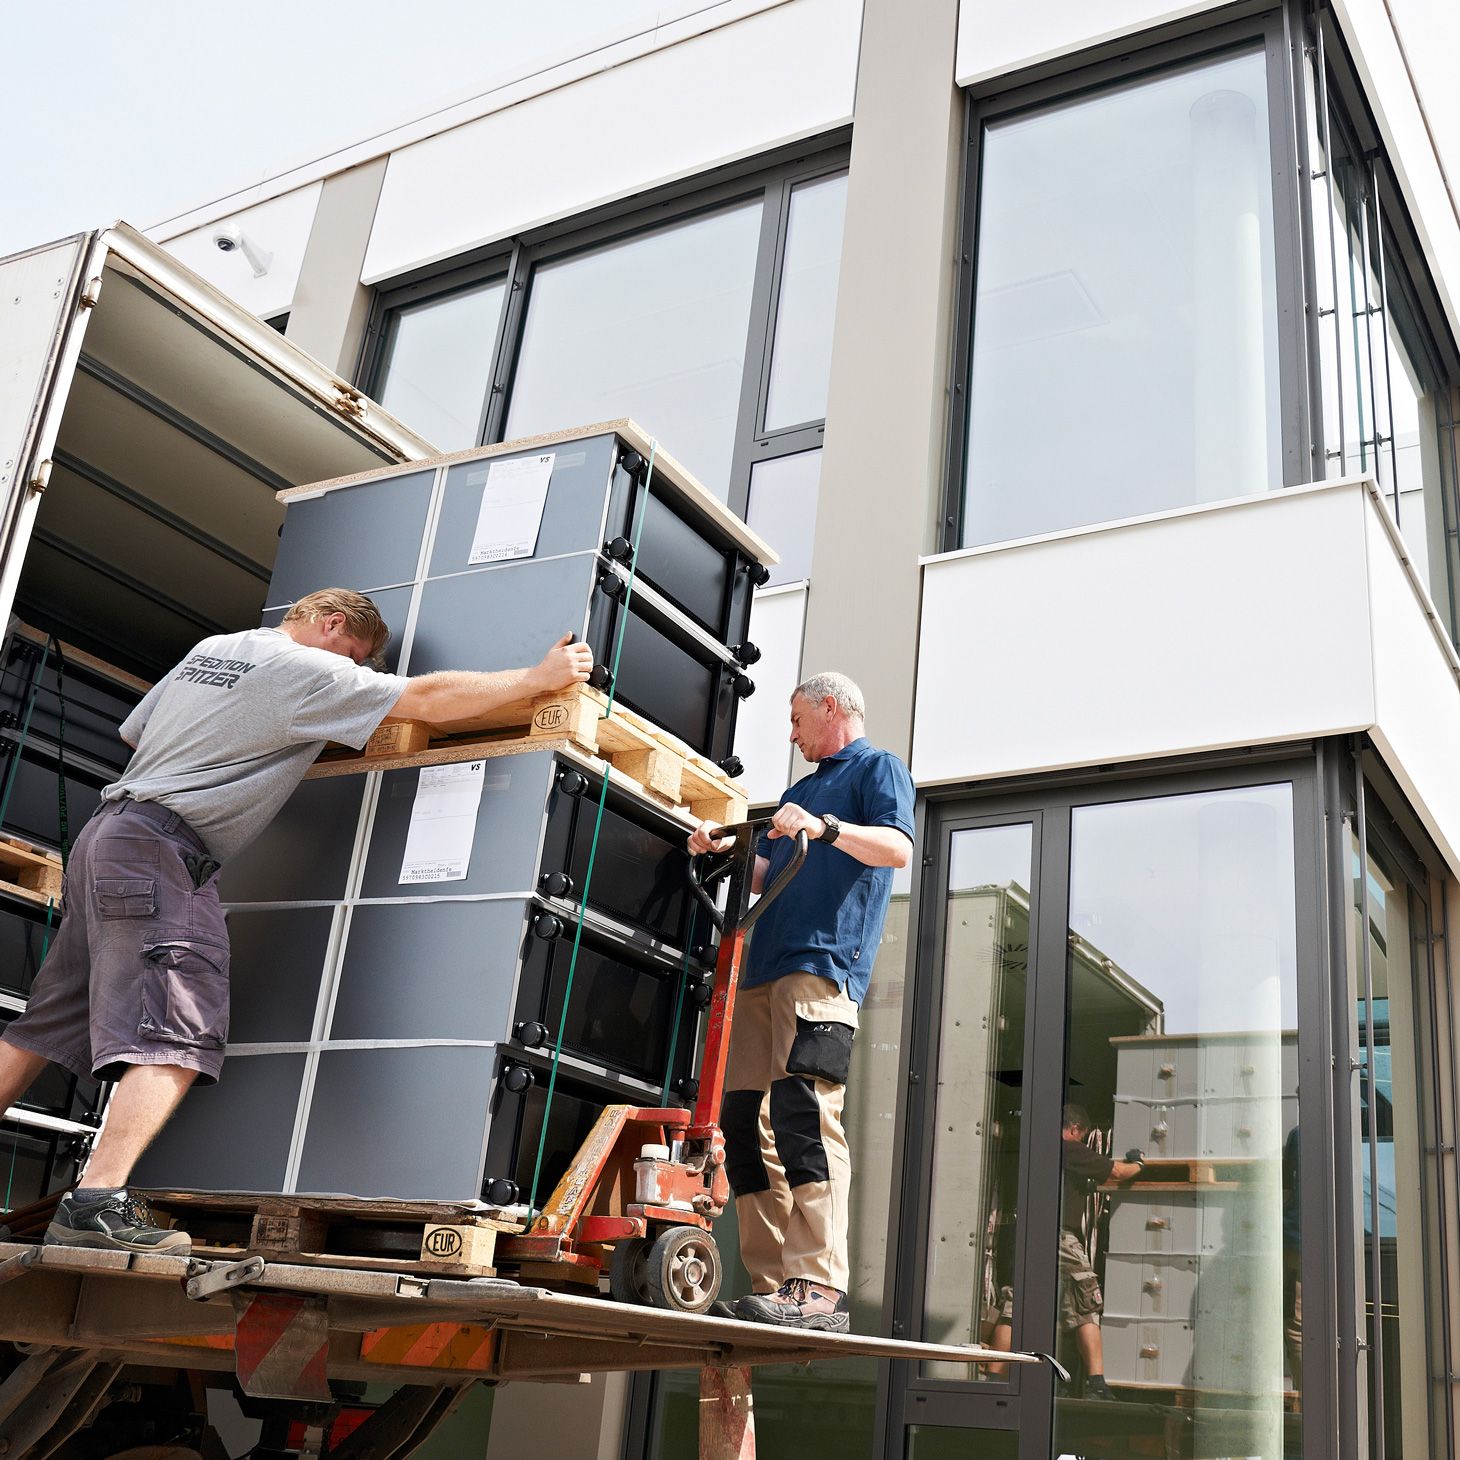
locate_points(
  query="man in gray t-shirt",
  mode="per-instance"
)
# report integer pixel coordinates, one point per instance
(135, 988)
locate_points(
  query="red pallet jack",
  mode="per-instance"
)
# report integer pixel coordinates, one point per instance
(647, 1184)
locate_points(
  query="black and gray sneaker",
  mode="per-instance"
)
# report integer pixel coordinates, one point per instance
(798, 1303)
(114, 1220)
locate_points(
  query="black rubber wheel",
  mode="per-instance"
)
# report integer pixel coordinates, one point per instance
(683, 1270)
(628, 1272)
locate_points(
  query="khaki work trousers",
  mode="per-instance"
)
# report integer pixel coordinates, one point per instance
(786, 1153)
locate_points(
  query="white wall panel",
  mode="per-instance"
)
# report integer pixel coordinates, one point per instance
(279, 227)
(771, 78)
(1418, 700)
(995, 37)
(1235, 624)
(763, 728)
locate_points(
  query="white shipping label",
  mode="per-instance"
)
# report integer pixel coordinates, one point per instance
(443, 823)
(511, 511)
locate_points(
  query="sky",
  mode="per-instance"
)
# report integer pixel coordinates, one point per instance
(142, 109)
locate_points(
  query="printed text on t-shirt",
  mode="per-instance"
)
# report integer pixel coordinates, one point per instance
(202, 669)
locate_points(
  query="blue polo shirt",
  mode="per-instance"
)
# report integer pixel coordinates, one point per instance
(829, 920)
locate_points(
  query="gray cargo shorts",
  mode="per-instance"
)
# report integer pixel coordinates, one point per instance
(138, 974)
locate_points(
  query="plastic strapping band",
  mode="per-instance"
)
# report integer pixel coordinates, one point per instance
(623, 623)
(61, 754)
(35, 689)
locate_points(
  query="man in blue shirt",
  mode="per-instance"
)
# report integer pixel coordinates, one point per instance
(805, 977)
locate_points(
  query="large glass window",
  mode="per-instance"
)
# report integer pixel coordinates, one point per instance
(1384, 994)
(652, 327)
(1387, 401)
(1178, 1279)
(1124, 354)
(970, 1288)
(436, 355)
(806, 306)
(706, 316)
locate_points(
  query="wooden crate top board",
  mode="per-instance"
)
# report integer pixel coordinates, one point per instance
(667, 471)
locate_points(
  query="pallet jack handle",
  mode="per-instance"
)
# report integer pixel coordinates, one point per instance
(700, 882)
(736, 920)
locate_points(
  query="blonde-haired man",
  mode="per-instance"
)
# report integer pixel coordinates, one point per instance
(136, 985)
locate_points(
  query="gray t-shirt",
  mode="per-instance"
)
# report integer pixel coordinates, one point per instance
(225, 738)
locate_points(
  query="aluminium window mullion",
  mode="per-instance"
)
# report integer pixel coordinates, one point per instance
(1435, 1199)
(1329, 164)
(1383, 318)
(1375, 1343)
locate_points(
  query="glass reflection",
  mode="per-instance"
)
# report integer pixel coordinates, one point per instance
(970, 1292)
(1125, 355)
(1393, 1256)
(782, 510)
(1182, 1055)
(437, 357)
(801, 357)
(653, 327)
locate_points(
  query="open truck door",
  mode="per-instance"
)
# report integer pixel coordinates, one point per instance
(146, 421)
(146, 424)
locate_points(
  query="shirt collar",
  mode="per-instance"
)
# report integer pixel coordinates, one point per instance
(847, 752)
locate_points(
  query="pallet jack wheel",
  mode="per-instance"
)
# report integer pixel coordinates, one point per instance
(628, 1272)
(683, 1270)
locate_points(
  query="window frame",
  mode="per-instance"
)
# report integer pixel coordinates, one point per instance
(1049, 802)
(1142, 56)
(770, 178)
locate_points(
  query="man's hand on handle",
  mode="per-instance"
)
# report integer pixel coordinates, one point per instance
(567, 662)
(700, 840)
(792, 818)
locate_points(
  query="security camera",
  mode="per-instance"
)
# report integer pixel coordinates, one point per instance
(228, 237)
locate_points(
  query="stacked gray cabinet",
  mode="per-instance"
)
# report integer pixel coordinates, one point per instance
(397, 1039)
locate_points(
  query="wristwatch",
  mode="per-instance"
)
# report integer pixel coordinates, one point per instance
(832, 828)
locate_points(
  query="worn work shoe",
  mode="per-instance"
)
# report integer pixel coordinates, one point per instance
(1097, 1388)
(798, 1303)
(721, 1309)
(113, 1220)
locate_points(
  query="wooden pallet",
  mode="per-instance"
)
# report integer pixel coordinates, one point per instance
(30, 872)
(663, 768)
(440, 1239)
(446, 1239)
(1180, 1173)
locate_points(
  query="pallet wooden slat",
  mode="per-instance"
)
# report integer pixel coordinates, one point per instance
(663, 768)
(31, 872)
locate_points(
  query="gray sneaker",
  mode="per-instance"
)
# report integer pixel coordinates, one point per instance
(116, 1221)
(798, 1303)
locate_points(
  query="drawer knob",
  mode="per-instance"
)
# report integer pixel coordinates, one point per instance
(556, 884)
(620, 550)
(758, 574)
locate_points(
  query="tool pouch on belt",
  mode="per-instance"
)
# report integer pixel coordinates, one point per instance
(823, 1044)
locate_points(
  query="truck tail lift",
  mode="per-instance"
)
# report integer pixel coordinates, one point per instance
(647, 1184)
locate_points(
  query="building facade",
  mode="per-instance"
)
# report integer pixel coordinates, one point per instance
(1093, 368)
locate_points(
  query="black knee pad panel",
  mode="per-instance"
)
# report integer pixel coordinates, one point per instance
(740, 1121)
(796, 1121)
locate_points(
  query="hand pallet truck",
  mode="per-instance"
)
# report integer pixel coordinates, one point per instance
(647, 1184)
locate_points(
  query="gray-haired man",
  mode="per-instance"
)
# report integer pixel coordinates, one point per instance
(796, 1010)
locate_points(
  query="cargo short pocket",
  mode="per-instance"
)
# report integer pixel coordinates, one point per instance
(1085, 1295)
(822, 1047)
(126, 897)
(185, 993)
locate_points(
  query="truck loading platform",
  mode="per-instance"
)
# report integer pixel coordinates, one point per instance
(83, 1316)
